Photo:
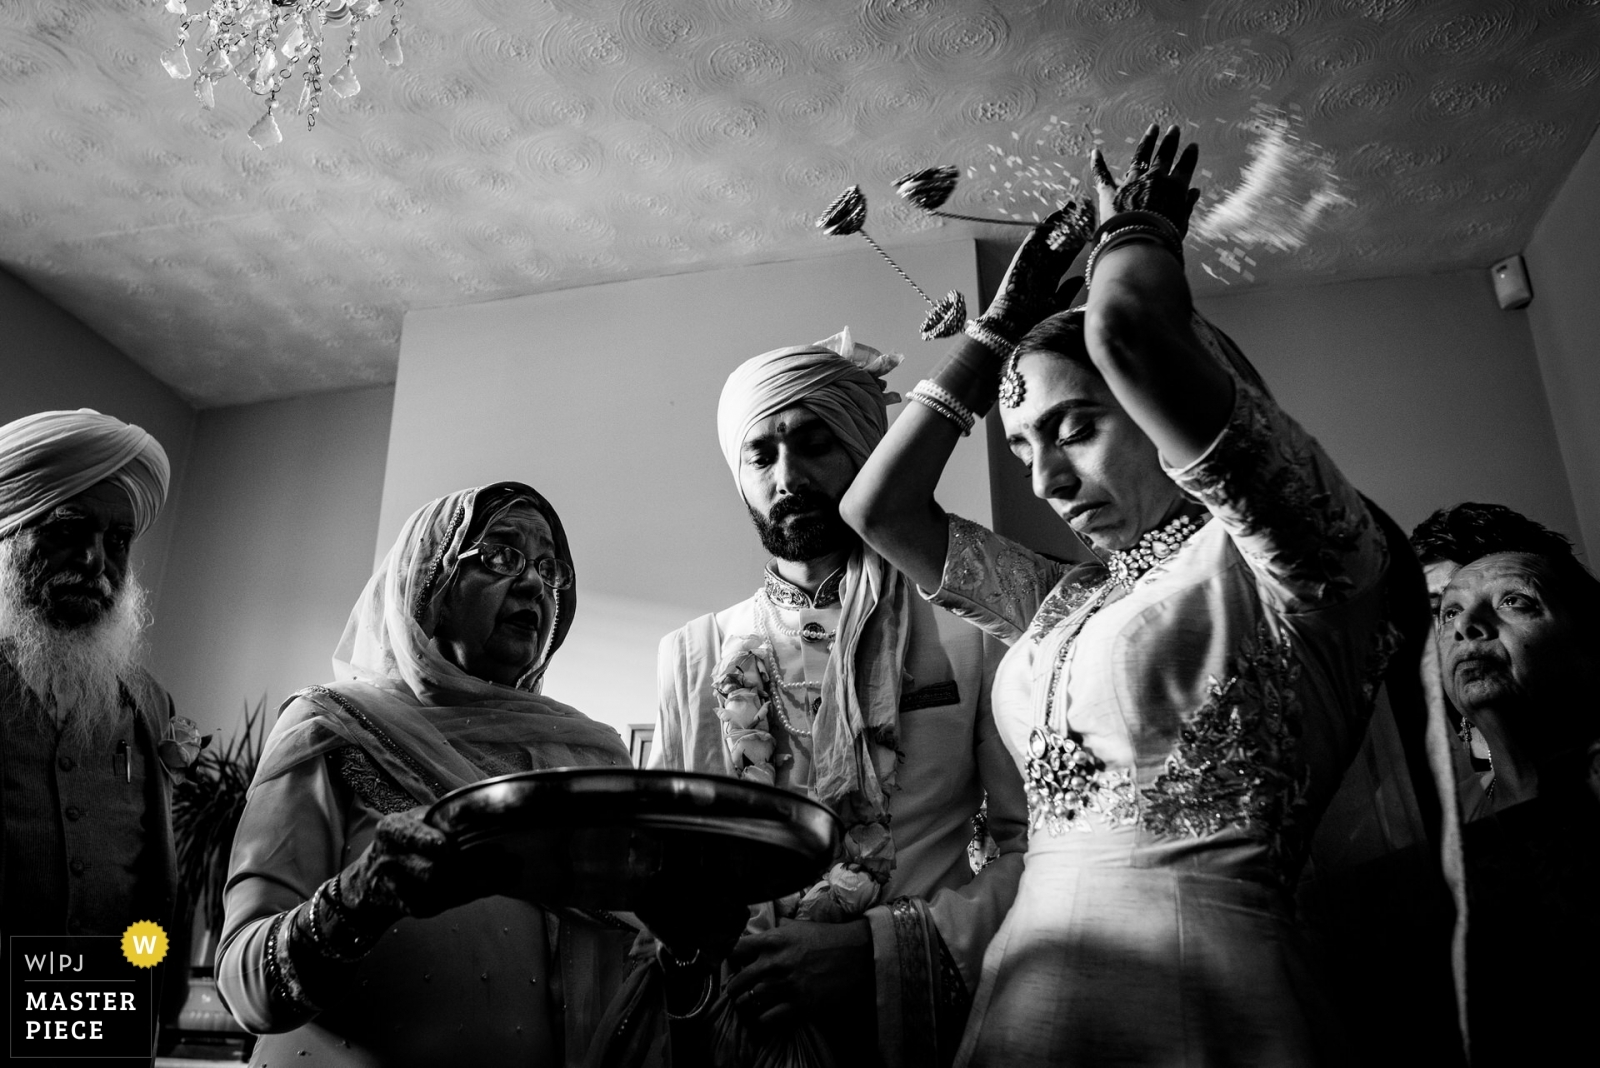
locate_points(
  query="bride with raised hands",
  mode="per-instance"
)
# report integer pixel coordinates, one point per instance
(1183, 707)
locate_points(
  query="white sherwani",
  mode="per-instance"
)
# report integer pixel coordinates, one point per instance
(930, 933)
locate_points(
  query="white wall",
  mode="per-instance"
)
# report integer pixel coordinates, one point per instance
(273, 545)
(604, 398)
(50, 360)
(1564, 267)
(1422, 389)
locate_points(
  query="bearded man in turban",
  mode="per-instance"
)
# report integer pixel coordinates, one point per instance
(835, 682)
(86, 801)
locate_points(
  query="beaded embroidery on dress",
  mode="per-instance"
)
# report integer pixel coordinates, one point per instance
(1063, 601)
(1267, 483)
(1238, 762)
(1064, 780)
(1009, 577)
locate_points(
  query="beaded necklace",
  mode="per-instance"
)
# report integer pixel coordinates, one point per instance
(766, 618)
(811, 632)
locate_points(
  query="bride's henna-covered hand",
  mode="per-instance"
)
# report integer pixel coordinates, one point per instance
(1156, 180)
(1029, 291)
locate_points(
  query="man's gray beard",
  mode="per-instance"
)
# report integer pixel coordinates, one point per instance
(78, 667)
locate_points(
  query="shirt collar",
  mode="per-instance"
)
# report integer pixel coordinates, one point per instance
(786, 594)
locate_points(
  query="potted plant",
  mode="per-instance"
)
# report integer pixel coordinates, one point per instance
(206, 807)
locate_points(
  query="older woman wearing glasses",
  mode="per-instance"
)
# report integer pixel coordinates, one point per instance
(353, 934)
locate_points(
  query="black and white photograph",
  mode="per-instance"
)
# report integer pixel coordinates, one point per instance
(800, 533)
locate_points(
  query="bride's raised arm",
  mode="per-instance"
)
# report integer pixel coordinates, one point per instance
(1137, 323)
(891, 502)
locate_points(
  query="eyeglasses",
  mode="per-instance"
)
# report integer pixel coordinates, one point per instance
(512, 562)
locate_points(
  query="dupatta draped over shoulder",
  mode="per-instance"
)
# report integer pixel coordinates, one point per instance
(856, 726)
(436, 990)
(422, 719)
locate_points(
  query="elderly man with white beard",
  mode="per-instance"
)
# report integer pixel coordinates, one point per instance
(86, 801)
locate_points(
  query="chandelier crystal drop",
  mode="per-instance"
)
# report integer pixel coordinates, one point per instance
(265, 43)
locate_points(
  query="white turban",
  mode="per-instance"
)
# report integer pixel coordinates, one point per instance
(49, 458)
(840, 381)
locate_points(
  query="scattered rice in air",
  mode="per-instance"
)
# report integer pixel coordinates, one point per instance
(1285, 191)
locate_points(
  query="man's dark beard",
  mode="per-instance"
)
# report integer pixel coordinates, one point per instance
(805, 538)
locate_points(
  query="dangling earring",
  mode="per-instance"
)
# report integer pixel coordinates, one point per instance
(1464, 732)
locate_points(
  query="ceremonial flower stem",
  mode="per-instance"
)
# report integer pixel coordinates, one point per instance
(981, 219)
(848, 215)
(898, 270)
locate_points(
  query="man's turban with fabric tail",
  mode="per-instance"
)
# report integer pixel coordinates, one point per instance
(839, 380)
(855, 724)
(49, 458)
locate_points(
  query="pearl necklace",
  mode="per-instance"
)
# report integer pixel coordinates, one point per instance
(775, 672)
(1127, 565)
(812, 632)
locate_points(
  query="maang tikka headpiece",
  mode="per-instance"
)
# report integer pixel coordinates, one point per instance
(1012, 386)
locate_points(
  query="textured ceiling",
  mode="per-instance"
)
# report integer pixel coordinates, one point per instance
(527, 146)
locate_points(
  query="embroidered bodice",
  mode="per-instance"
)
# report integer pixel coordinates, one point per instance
(1217, 695)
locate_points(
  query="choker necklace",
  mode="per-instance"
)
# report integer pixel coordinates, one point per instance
(812, 632)
(1127, 565)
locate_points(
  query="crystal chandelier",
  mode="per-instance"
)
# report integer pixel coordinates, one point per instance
(262, 43)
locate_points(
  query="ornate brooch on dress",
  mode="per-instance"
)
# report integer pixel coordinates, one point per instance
(1064, 780)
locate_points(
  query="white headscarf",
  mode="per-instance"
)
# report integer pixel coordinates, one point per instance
(420, 717)
(49, 458)
(856, 728)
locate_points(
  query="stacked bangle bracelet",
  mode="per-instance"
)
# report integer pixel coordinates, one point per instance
(341, 943)
(1132, 226)
(935, 397)
(282, 978)
(986, 336)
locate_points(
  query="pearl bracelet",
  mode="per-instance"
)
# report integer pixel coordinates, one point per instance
(944, 411)
(989, 339)
(934, 396)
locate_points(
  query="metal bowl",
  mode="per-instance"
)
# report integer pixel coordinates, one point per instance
(604, 838)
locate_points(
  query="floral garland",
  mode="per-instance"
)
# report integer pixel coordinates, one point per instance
(856, 882)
